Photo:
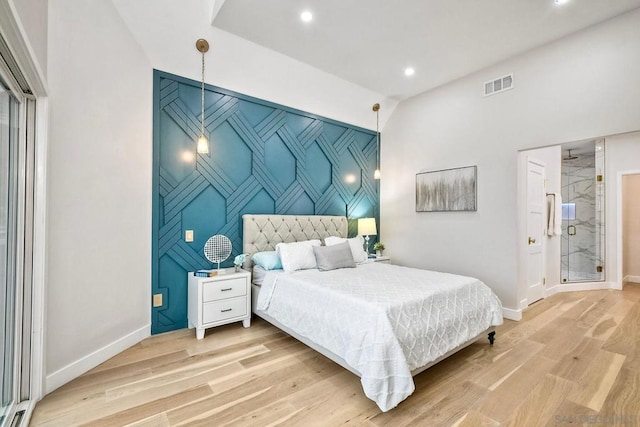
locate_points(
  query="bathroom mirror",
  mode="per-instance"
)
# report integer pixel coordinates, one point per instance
(582, 243)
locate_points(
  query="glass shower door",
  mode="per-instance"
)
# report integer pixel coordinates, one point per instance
(582, 245)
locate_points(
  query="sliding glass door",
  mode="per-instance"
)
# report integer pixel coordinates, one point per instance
(22, 166)
(8, 250)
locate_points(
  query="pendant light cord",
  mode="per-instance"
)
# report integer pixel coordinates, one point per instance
(202, 99)
(378, 137)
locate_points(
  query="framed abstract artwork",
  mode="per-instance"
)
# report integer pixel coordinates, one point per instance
(447, 190)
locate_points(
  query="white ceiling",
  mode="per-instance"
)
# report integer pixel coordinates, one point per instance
(371, 42)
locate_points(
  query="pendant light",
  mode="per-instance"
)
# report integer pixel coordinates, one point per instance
(202, 147)
(376, 173)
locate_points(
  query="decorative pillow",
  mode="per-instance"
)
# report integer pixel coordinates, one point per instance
(298, 255)
(334, 256)
(269, 260)
(356, 244)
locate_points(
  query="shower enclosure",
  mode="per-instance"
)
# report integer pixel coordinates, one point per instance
(582, 246)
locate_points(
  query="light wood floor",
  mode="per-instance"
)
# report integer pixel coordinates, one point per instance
(574, 359)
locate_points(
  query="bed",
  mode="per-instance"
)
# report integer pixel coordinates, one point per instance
(385, 323)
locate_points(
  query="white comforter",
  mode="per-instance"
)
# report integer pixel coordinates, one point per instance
(384, 320)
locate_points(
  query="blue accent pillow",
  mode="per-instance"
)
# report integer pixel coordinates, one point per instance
(269, 260)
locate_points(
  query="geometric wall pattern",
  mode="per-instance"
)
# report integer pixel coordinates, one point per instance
(263, 158)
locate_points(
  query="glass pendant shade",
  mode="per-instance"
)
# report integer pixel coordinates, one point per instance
(203, 145)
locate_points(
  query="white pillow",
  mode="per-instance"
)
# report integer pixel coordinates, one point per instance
(297, 255)
(355, 243)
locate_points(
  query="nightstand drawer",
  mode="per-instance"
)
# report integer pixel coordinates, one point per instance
(226, 309)
(218, 300)
(223, 289)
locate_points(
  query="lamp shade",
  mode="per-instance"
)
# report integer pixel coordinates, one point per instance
(202, 147)
(367, 227)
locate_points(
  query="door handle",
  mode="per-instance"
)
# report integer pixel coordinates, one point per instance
(531, 240)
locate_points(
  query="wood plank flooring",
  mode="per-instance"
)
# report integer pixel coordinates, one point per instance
(573, 359)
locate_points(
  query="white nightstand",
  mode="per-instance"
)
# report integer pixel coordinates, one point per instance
(385, 259)
(218, 300)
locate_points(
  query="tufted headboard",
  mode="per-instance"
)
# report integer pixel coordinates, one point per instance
(264, 232)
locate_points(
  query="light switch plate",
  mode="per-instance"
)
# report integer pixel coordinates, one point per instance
(157, 300)
(188, 235)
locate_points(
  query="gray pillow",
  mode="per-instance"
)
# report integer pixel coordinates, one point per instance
(333, 257)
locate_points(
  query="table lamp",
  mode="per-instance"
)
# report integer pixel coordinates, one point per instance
(366, 228)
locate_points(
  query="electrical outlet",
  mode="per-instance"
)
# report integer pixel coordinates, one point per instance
(188, 236)
(157, 300)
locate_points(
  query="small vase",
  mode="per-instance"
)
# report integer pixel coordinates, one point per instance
(237, 268)
(378, 253)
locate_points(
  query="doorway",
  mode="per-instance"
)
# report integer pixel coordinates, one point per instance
(9, 230)
(630, 212)
(17, 183)
(539, 262)
(7, 248)
(536, 218)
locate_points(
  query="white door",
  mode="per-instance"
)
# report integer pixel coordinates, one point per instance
(536, 216)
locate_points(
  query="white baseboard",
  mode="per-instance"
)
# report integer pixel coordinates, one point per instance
(575, 287)
(551, 290)
(630, 278)
(90, 361)
(511, 314)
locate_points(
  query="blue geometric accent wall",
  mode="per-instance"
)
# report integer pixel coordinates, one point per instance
(263, 158)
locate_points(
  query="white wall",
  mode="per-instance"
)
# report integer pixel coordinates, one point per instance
(168, 32)
(100, 159)
(583, 86)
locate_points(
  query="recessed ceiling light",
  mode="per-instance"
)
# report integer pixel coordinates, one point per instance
(306, 16)
(409, 71)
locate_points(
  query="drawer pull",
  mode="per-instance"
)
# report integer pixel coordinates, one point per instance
(226, 289)
(224, 311)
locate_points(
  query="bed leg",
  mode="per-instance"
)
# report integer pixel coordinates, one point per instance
(492, 337)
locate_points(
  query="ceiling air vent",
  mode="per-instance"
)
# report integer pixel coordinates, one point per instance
(498, 85)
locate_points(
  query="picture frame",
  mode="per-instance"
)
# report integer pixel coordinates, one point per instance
(447, 190)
